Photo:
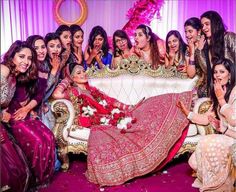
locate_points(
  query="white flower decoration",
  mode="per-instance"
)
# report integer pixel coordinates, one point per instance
(123, 123)
(104, 121)
(103, 103)
(116, 110)
(88, 111)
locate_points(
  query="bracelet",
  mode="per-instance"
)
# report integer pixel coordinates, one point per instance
(190, 116)
(62, 86)
(225, 106)
(191, 62)
(225, 130)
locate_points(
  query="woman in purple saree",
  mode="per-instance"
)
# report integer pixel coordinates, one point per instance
(32, 136)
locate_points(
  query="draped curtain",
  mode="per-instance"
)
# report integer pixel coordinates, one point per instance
(21, 18)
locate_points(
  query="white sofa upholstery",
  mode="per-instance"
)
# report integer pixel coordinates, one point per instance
(128, 88)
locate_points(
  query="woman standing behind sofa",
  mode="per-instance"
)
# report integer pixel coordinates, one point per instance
(192, 28)
(121, 46)
(175, 51)
(34, 138)
(212, 159)
(77, 35)
(149, 46)
(215, 44)
(97, 51)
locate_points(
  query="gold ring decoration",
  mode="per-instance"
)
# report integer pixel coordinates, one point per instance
(79, 21)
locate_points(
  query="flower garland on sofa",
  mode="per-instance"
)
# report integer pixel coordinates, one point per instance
(142, 12)
(100, 112)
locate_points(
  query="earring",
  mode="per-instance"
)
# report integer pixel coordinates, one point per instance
(198, 37)
(229, 81)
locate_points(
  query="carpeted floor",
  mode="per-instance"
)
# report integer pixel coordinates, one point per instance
(176, 176)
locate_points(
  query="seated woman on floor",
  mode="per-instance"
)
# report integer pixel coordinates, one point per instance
(212, 159)
(125, 141)
(175, 51)
(97, 51)
(121, 46)
(33, 137)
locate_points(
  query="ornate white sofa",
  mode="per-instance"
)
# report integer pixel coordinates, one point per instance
(129, 87)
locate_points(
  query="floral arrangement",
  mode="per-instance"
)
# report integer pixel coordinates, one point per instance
(142, 12)
(101, 112)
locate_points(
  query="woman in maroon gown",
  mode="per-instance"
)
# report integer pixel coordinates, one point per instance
(33, 137)
(125, 141)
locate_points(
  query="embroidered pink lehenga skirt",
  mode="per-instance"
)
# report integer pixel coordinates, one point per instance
(115, 157)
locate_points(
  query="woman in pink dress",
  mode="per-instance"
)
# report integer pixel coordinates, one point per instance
(33, 137)
(212, 159)
(125, 141)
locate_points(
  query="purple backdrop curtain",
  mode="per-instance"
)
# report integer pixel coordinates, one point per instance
(21, 18)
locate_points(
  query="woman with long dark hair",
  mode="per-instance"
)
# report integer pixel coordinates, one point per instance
(215, 44)
(77, 35)
(149, 46)
(212, 159)
(97, 51)
(192, 27)
(33, 137)
(175, 51)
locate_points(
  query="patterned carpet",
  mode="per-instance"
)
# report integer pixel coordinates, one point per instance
(176, 176)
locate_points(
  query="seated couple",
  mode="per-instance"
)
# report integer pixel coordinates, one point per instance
(125, 141)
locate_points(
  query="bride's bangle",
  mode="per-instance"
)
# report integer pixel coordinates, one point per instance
(190, 116)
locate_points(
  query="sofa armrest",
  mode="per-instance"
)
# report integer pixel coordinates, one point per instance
(64, 113)
(202, 105)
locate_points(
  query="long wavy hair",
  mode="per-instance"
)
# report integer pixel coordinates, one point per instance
(155, 54)
(32, 39)
(218, 30)
(121, 34)
(31, 75)
(31, 42)
(182, 44)
(230, 67)
(16, 47)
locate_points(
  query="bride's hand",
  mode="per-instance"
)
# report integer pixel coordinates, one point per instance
(182, 108)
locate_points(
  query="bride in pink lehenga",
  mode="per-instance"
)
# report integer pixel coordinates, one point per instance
(154, 133)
